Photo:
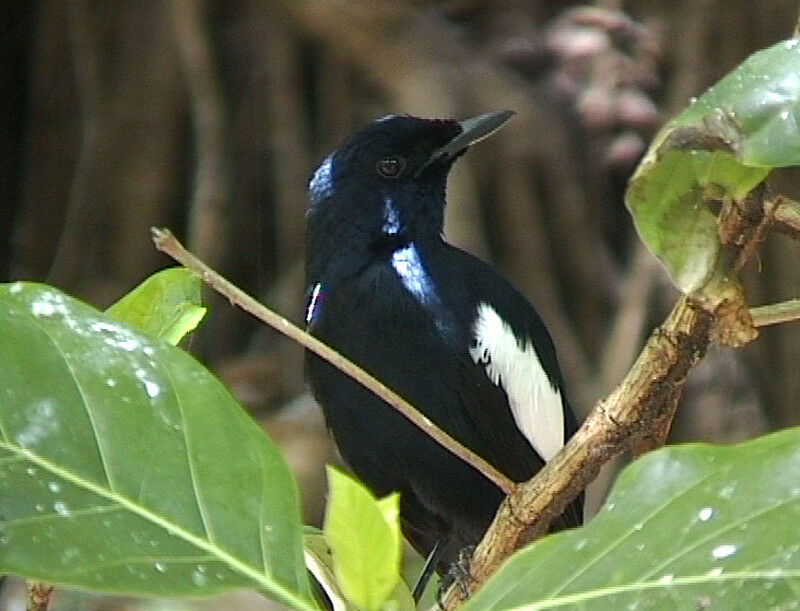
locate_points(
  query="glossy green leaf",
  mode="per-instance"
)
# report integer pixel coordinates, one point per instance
(721, 146)
(761, 98)
(364, 537)
(685, 527)
(166, 305)
(125, 466)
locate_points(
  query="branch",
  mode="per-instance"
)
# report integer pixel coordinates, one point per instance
(81, 209)
(168, 244)
(637, 411)
(38, 597)
(775, 313)
(633, 409)
(786, 215)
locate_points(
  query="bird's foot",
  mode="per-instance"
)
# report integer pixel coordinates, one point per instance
(458, 574)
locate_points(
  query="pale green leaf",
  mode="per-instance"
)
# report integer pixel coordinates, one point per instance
(166, 305)
(319, 561)
(761, 97)
(364, 537)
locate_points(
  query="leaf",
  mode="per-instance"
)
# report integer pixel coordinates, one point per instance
(762, 97)
(721, 146)
(685, 527)
(126, 467)
(319, 561)
(364, 537)
(166, 305)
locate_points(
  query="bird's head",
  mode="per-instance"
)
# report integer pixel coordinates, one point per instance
(385, 186)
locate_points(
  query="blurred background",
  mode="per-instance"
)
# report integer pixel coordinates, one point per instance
(208, 117)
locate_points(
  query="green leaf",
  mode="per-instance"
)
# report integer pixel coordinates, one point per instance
(364, 537)
(125, 466)
(721, 147)
(685, 527)
(666, 198)
(319, 561)
(762, 98)
(166, 305)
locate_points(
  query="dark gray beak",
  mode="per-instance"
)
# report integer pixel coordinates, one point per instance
(473, 130)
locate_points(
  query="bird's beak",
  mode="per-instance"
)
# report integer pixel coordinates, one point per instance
(472, 130)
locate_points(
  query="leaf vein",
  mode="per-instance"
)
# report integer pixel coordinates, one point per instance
(688, 580)
(190, 459)
(602, 553)
(239, 566)
(73, 513)
(715, 533)
(85, 401)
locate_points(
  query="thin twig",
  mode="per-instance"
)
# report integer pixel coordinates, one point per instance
(640, 407)
(786, 215)
(38, 595)
(776, 313)
(168, 244)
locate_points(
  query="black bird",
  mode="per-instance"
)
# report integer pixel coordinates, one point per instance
(435, 324)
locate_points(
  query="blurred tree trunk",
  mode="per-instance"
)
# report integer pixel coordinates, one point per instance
(118, 111)
(104, 158)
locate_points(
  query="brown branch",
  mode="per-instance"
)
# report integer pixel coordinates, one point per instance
(38, 597)
(657, 436)
(786, 215)
(638, 410)
(288, 136)
(633, 409)
(776, 313)
(168, 244)
(796, 29)
(65, 267)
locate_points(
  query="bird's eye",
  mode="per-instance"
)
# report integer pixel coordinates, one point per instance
(390, 166)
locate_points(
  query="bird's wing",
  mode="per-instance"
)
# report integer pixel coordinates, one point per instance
(486, 408)
(503, 442)
(510, 384)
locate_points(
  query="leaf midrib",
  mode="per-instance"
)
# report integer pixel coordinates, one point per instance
(601, 554)
(261, 579)
(688, 580)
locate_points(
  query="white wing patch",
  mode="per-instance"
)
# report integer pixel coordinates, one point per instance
(535, 402)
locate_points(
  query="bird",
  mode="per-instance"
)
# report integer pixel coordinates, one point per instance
(437, 325)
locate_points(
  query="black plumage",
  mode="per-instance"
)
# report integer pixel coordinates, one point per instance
(435, 324)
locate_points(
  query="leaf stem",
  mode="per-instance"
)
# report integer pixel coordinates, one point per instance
(786, 213)
(167, 243)
(39, 593)
(775, 313)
